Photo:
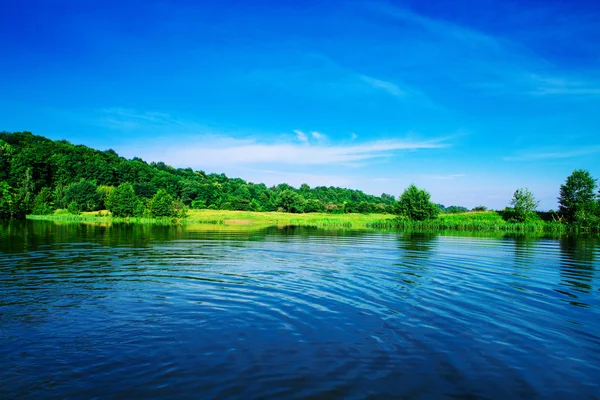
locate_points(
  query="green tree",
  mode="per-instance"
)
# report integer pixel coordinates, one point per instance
(103, 193)
(523, 205)
(73, 208)
(577, 200)
(122, 201)
(6, 200)
(17, 203)
(414, 204)
(291, 201)
(84, 193)
(43, 203)
(313, 205)
(161, 205)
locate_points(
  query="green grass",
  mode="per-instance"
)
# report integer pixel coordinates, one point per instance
(100, 217)
(320, 220)
(485, 221)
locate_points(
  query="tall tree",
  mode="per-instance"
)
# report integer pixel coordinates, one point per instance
(577, 200)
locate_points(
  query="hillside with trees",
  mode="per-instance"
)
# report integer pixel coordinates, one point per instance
(39, 175)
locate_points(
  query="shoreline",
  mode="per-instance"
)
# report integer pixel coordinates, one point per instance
(485, 221)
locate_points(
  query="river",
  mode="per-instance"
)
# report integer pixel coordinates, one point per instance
(142, 311)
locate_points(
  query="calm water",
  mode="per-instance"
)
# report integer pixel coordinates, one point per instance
(168, 312)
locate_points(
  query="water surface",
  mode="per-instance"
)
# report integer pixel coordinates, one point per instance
(92, 311)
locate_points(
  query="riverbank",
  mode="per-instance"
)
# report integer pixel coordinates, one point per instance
(239, 218)
(485, 221)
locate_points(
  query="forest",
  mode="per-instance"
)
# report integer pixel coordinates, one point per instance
(39, 176)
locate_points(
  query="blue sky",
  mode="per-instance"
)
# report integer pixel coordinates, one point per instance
(469, 100)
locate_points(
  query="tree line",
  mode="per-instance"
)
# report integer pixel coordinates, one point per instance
(39, 175)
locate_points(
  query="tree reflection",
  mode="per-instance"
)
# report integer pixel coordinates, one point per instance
(524, 248)
(577, 262)
(416, 250)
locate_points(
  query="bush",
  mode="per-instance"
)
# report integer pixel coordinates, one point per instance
(161, 205)
(415, 205)
(42, 205)
(74, 208)
(84, 193)
(122, 201)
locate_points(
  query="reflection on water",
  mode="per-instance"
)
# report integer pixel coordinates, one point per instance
(127, 311)
(577, 266)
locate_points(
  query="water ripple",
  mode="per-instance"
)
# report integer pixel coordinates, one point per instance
(297, 313)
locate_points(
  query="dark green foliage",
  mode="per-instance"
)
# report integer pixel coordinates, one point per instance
(452, 209)
(17, 202)
(313, 205)
(59, 164)
(43, 203)
(479, 208)
(6, 201)
(291, 201)
(161, 205)
(415, 205)
(84, 193)
(122, 201)
(74, 208)
(198, 204)
(577, 200)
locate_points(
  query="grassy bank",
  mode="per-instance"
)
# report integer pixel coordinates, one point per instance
(487, 221)
(238, 218)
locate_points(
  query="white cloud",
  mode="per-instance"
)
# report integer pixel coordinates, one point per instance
(386, 86)
(318, 136)
(301, 136)
(221, 151)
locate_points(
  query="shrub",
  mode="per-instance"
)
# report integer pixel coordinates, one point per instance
(415, 205)
(122, 201)
(161, 205)
(73, 208)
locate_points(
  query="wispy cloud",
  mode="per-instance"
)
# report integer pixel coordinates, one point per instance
(554, 154)
(301, 136)
(496, 65)
(548, 86)
(126, 119)
(229, 151)
(386, 86)
(318, 136)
